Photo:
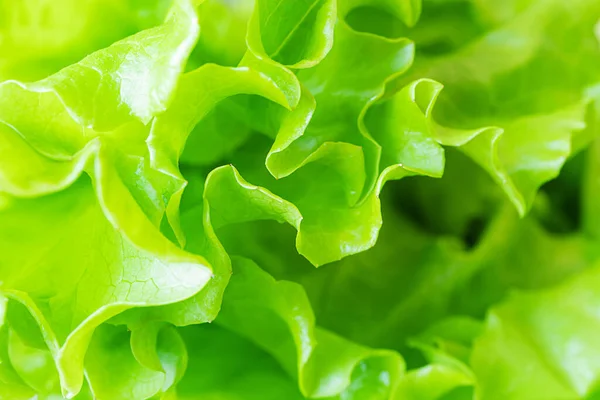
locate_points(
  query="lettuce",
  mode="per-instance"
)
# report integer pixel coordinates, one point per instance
(173, 172)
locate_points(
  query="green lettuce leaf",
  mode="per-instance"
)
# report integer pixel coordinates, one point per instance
(299, 42)
(476, 250)
(40, 38)
(280, 320)
(106, 253)
(172, 171)
(226, 199)
(121, 365)
(225, 366)
(12, 384)
(552, 333)
(526, 78)
(447, 347)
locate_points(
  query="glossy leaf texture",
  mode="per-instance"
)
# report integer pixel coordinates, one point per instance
(193, 199)
(84, 205)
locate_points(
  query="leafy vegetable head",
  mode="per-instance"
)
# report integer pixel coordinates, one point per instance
(173, 172)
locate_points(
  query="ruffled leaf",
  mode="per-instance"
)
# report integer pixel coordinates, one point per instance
(279, 319)
(525, 81)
